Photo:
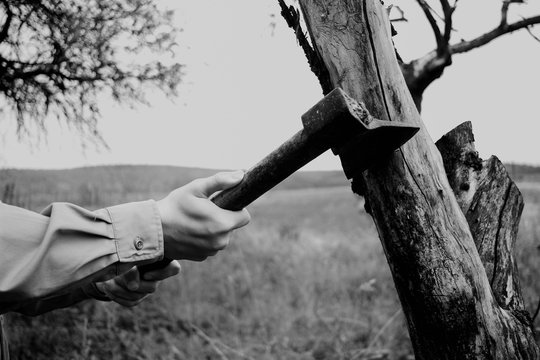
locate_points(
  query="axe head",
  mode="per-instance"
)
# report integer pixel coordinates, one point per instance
(347, 127)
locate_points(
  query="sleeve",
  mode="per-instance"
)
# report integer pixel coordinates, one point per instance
(61, 300)
(67, 247)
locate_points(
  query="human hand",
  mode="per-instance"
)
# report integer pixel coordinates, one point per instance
(193, 226)
(129, 289)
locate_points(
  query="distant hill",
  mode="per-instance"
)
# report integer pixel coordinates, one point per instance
(103, 185)
(520, 172)
(150, 177)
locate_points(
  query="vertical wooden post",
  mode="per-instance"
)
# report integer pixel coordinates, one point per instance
(437, 270)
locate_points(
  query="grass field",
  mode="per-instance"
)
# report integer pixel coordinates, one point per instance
(306, 280)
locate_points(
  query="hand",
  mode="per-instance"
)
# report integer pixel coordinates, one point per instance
(193, 226)
(129, 289)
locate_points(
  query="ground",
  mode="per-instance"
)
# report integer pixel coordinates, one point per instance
(307, 279)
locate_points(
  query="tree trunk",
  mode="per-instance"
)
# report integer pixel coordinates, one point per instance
(443, 286)
(420, 73)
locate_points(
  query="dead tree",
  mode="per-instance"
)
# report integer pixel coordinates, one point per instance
(421, 72)
(448, 239)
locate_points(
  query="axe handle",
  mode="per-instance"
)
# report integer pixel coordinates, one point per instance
(296, 152)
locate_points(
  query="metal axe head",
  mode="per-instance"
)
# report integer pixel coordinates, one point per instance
(347, 127)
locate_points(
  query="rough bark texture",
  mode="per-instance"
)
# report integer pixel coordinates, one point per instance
(492, 205)
(442, 284)
(420, 73)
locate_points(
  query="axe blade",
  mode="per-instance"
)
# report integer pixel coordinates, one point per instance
(373, 146)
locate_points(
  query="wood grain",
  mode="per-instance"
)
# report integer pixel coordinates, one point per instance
(439, 276)
(492, 205)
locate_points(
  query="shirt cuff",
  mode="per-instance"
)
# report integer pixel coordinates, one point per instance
(137, 230)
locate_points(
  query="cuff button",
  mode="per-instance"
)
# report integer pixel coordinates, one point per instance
(139, 243)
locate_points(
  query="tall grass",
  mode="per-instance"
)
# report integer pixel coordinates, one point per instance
(528, 249)
(307, 279)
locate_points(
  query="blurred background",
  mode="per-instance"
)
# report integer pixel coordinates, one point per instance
(211, 85)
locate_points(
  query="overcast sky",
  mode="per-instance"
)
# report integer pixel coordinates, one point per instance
(247, 83)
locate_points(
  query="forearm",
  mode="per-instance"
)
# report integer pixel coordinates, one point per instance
(67, 247)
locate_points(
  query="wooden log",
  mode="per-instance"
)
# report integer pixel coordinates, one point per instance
(442, 284)
(492, 205)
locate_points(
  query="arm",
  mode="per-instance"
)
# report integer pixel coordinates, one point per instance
(128, 289)
(67, 247)
(55, 257)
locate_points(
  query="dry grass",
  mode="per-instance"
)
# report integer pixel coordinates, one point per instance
(306, 280)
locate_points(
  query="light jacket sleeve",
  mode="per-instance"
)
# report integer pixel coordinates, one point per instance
(67, 247)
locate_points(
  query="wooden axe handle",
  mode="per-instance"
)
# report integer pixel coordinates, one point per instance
(270, 171)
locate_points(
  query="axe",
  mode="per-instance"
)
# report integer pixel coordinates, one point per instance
(336, 122)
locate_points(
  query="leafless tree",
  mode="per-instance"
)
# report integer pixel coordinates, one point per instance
(420, 73)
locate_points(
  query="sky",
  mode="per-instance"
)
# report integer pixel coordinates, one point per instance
(246, 84)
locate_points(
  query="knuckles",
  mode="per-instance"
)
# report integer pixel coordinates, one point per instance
(197, 184)
(202, 226)
(216, 226)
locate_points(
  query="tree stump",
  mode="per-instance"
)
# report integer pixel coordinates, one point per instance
(492, 205)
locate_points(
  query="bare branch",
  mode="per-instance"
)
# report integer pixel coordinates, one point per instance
(421, 72)
(401, 17)
(429, 15)
(75, 58)
(292, 17)
(483, 39)
(532, 34)
(504, 13)
(448, 11)
(9, 16)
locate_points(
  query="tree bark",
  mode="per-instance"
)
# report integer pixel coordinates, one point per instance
(420, 73)
(439, 276)
(492, 205)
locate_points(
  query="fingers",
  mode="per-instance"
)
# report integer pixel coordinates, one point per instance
(193, 226)
(243, 218)
(126, 297)
(130, 280)
(220, 221)
(220, 181)
(129, 289)
(173, 268)
(116, 292)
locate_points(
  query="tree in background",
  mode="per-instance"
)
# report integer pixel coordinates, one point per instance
(57, 56)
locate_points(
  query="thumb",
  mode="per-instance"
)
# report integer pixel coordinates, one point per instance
(219, 181)
(131, 279)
